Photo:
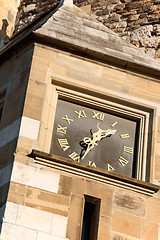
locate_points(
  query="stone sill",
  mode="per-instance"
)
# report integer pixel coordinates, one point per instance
(97, 174)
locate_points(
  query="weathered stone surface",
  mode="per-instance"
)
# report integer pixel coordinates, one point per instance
(127, 224)
(66, 26)
(125, 17)
(65, 185)
(29, 10)
(130, 203)
(133, 18)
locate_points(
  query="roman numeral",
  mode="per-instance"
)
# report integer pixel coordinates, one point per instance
(74, 156)
(63, 143)
(99, 116)
(128, 150)
(81, 114)
(67, 119)
(92, 164)
(126, 135)
(109, 167)
(123, 161)
(61, 129)
(114, 124)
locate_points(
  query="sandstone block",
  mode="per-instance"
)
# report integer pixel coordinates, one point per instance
(45, 52)
(126, 224)
(158, 137)
(157, 167)
(153, 210)
(38, 75)
(65, 185)
(104, 228)
(153, 87)
(59, 226)
(130, 203)
(35, 177)
(149, 230)
(17, 193)
(58, 69)
(120, 236)
(33, 107)
(34, 219)
(11, 211)
(14, 232)
(106, 196)
(36, 88)
(74, 223)
(77, 200)
(24, 145)
(47, 201)
(29, 128)
(78, 186)
(91, 188)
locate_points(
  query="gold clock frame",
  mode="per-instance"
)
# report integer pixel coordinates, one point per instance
(64, 90)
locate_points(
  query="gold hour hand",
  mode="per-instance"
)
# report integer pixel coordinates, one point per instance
(96, 137)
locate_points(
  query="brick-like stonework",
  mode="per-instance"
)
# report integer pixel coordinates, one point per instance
(136, 21)
(30, 10)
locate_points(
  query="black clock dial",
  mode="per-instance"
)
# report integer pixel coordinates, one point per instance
(94, 137)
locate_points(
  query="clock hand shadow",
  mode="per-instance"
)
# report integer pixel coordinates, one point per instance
(84, 147)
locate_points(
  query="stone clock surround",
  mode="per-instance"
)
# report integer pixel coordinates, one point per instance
(59, 88)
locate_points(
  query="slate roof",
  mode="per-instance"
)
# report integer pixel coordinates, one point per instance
(73, 28)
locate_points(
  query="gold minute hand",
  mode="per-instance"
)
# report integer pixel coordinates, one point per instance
(96, 137)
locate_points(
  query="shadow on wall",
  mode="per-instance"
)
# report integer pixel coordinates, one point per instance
(4, 38)
(6, 177)
(16, 67)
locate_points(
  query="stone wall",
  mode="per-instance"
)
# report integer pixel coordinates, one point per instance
(136, 21)
(14, 77)
(45, 203)
(32, 9)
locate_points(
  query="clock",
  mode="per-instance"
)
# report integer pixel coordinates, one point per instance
(98, 138)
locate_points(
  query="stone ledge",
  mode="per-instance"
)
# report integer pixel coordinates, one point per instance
(95, 51)
(97, 174)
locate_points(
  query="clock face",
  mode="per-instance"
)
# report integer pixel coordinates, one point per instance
(96, 138)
